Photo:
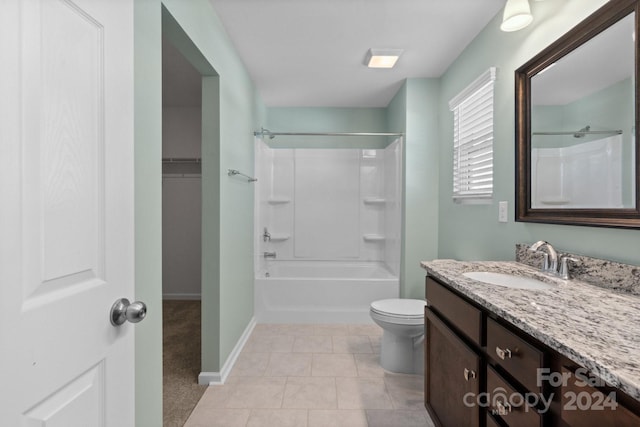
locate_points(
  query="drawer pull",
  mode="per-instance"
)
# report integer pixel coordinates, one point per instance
(503, 409)
(469, 374)
(503, 354)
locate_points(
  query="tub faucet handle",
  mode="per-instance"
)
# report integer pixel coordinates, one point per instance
(266, 235)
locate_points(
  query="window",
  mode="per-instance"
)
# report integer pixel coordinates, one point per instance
(473, 139)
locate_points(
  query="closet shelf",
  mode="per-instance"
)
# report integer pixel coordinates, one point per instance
(278, 200)
(374, 238)
(374, 200)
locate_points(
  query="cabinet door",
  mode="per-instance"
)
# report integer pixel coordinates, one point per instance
(586, 406)
(452, 376)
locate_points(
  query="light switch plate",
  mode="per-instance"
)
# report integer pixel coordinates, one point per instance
(503, 211)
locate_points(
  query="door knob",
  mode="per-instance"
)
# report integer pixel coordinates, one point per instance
(122, 310)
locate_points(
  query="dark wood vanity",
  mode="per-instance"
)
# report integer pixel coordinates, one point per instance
(481, 370)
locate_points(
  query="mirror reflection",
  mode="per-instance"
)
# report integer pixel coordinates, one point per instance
(583, 125)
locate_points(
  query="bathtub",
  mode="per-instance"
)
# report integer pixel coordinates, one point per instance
(321, 291)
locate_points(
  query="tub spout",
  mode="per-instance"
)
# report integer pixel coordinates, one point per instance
(270, 255)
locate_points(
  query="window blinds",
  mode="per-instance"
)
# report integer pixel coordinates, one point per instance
(473, 139)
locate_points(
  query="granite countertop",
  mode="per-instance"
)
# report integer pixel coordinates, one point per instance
(595, 327)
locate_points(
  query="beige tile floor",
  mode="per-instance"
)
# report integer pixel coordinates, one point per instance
(291, 375)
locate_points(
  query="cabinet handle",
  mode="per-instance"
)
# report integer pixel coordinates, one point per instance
(503, 354)
(469, 374)
(503, 409)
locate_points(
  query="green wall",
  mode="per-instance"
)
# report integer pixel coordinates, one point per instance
(232, 109)
(607, 109)
(414, 111)
(327, 119)
(230, 288)
(472, 231)
(148, 209)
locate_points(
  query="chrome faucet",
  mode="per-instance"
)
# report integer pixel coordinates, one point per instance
(551, 264)
(550, 259)
(270, 255)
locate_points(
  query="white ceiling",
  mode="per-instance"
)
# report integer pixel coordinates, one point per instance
(309, 53)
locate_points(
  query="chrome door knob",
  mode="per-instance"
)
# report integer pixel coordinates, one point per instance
(122, 310)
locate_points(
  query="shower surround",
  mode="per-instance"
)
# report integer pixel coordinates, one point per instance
(329, 223)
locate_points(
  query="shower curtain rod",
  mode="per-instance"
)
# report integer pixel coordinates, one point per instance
(581, 132)
(264, 132)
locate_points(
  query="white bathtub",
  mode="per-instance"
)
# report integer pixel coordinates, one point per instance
(321, 291)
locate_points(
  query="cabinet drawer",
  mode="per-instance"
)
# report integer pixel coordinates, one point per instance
(587, 406)
(464, 316)
(521, 359)
(509, 405)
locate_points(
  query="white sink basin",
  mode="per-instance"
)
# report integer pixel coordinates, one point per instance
(508, 280)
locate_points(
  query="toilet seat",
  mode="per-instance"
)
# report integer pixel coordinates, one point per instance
(399, 311)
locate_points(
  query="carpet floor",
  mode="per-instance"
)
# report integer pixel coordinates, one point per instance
(181, 360)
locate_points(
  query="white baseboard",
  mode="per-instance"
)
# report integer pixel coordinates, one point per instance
(214, 378)
(182, 296)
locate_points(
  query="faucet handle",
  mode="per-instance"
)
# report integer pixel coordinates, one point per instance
(564, 267)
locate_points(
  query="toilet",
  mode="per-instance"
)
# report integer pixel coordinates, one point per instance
(402, 321)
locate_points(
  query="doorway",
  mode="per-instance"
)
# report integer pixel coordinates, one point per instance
(182, 234)
(190, 133)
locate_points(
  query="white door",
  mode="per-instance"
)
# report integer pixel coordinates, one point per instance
(66, 212)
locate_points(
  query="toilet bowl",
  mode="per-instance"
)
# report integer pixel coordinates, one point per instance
(402, 321)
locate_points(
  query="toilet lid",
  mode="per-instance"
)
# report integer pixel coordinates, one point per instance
(407, 308)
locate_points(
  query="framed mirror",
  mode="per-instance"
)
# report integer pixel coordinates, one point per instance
(577, 113)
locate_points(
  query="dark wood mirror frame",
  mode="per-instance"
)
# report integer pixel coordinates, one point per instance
(599, 21)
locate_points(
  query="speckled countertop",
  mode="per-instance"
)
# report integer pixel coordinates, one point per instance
(595, 327)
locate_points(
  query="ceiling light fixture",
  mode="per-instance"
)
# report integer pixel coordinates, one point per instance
(517, 15)
(382, 58)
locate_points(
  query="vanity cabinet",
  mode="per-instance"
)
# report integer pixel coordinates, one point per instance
(454, 365)
(586, 406)
(453, 372)
(482, 371)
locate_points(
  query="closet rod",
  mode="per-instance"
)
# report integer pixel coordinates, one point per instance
(181, 175)
(181, 160)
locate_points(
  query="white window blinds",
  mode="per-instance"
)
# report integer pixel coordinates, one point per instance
(473, 139)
